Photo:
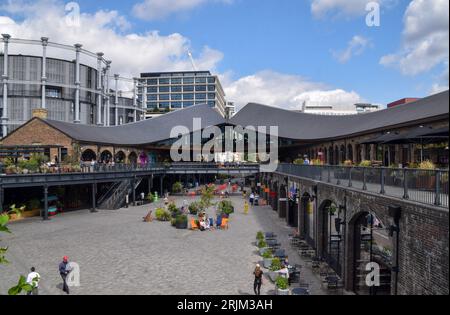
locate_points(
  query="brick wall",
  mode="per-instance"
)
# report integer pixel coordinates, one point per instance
(37, 131)
(423, 239)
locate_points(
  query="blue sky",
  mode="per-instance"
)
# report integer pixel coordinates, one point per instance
(287, 38)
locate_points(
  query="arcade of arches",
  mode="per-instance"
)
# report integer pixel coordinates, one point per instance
(351, 231)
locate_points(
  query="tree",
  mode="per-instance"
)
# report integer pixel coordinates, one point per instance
(22, 284)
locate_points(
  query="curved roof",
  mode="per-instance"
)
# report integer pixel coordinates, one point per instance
(309, 127)
(142, 132)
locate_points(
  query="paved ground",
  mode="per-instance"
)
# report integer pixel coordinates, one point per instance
(119, 254)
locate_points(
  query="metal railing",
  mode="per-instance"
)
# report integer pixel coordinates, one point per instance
(423, 186)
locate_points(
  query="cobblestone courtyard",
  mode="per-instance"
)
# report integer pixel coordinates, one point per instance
(119, 254)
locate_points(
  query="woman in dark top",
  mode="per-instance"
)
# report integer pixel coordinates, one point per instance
(258, 280)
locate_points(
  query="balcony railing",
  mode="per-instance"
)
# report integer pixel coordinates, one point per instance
(422, 186)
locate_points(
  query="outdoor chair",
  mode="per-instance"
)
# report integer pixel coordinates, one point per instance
(224, 225)
(194, 225)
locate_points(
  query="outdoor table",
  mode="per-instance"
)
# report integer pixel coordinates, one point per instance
(300, 291)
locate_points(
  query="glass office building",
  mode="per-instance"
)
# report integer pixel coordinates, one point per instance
(167, 91)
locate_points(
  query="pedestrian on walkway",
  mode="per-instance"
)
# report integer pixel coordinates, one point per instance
(64, 270)
(246, 206)
(33, 279)
(258, 273)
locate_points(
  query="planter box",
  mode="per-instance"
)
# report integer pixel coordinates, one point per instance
(282, 292)
(182, 226)
(273, 275)
(14, 217)
(32, 213)
(263, 250)
(267, 262)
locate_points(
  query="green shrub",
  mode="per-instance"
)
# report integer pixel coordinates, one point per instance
(226, 207)
(173, 222)
(177, 188)
(195, 208)
(365, 163)
(162, 215)
(173, 208)
(276, 264)
(262, 244)
(267, 254)
(299, 161)
(282, 283)
(427, 165)
(260, 236)
(150, 198)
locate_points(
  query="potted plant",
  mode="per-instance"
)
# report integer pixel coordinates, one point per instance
(282, 286)
(260, 236)
(332, 209)
(225, 208)
(173, 210)
(15, 213)
(262, 245)
(267, 258)
(177, 188)
(365, 163)
(33, 208)
(425, 177)
(181, 222)
(274, 268)
(195, 208)
(150, 198)
(163, 215)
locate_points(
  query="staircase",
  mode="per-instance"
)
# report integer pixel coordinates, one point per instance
(114, 198)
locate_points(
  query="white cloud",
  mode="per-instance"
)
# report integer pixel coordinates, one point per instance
(356, 46)
(324, 8)
(133, 53)
(425, 38)
(284, 91)
(159, 9)
(105, 31)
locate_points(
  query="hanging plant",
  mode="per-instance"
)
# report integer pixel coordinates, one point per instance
(332, 209)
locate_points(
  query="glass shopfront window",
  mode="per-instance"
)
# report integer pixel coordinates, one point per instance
(188, 88)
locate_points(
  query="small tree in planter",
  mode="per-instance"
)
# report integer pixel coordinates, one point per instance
(225, 208)
(181, 222)
(260, 236)
(274, 268)
(268, 257)
(162, 214)
(177, 188)
(195, 208)
(282, 285)
(173, 209)
(262, 245)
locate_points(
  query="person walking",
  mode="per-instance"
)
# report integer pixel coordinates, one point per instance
(64, 270)
(33, 279)
(246, 207)
(258, 273)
